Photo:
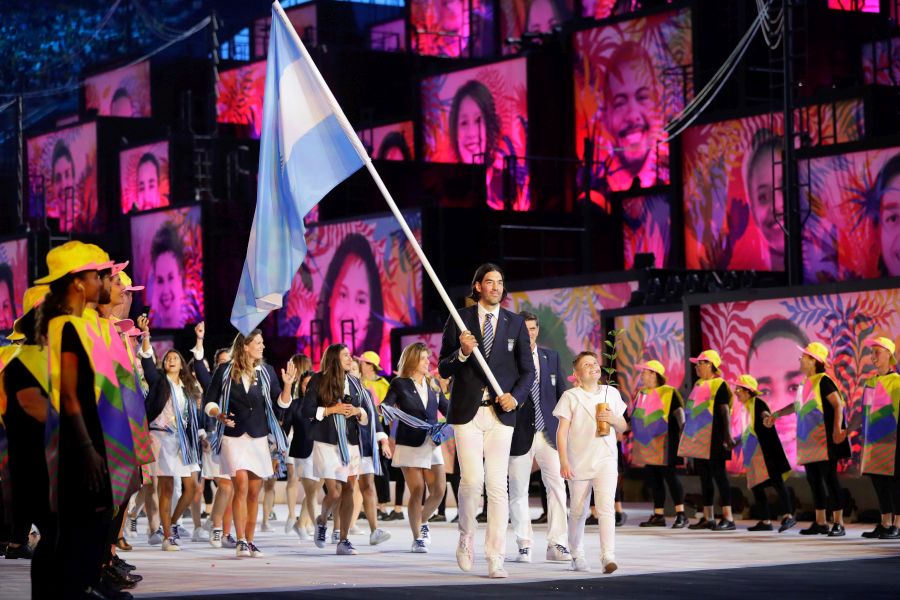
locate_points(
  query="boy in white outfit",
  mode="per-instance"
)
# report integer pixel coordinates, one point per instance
(587, 460)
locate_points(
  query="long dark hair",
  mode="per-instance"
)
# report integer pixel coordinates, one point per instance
(303, 364)
(188, 380)
(481, 95)
(479, 278)
(331, 381)
(356, 245)
(54, 305)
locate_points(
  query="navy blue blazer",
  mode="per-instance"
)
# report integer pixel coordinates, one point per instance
(403, 395)
(248, 408)
(292, 418)
(159, 392)
(510, 361)
(553, 383)
(324, 431)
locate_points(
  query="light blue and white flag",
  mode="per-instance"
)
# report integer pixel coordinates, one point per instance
(305, 151)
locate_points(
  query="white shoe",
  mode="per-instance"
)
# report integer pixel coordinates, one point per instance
(419, 547)
(289, 525)
(208, 525)
(345, 548)
(242, 549)
(266, 527)
(131, 531)
(378, 536)
(495, 568)
(465, 556)
(215, 538)
(321, 535)
(170, 545)
(425, 534)
(200, 535)
(579, 564)
(255, 552)
(179, 531)
(335, 537)
(524, 555)
(558, 553)
(355, 530)
(609, 565)
(301, 532)
(156, 538)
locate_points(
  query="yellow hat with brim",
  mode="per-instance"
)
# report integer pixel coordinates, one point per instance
(710, 356)
(886, 343)
(654, 366)
(72, 257)
(817, 351)
(747, 382)
(371, 358)
(128, 284)
(103, 258)
(31, 300)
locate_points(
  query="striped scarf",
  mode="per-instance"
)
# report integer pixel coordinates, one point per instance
(437, 432)
(274, 428)
(189, 447)
(340, 425)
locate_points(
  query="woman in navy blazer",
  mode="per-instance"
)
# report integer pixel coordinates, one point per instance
(416, 454)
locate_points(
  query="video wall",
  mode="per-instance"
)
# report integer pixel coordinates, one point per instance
(452, 28)
(761, 337)
(733, 203)
(359, 280)
(569, 317)
(167, 257)
(480, 116)
(602, 9)
(853, 206)
(66, 162)
(122, 92)
(303, 18)
(647, 228)
(389, 36)
(531, 16)
(390, 142)
(650, 336)
(13, 280)
(144, 177)
(881, 62)
(239, 95)
(630, 80)
(431, 339)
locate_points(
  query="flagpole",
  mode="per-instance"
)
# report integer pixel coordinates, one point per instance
(361, 150)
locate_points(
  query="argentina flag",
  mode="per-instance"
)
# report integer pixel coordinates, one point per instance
(307, 147)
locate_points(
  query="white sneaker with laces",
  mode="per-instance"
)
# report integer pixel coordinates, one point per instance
(229, 542)
(131, 531)
(465, 555)
(579, 564)
(179, 531)
(156, 538)
(215, 538)
(378, 536)
(170, 545)
(255, 552)
(419, 547)
(345, 548)
(425, 534)
(321, 534)
(558, 553)
(335, 537)
(524, 555)
(495, 568)
(200, 535)
(242, 549)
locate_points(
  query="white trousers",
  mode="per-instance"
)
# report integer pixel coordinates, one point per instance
(520, 476)
(604, 499)
(482, 447)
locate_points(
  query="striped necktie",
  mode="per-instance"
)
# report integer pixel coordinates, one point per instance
(488, 335)
(536, 399)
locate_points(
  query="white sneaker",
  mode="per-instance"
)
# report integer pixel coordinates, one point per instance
(495, 568)
(378, 536)
(289, 524)
(229, 542)
(524, 555)
(425, 533)
(355, 530)
(579, 564)
(242, 549)
(200, 535)
(345, 548)
(170, 545)
(131, 531)
(335, 536)
(156, 538)
(465, 556)
(301, 532)
(266, 527)
(208, 525)
(609, 565)
(419, 547)
(321, 535)
(558, 553)
(255, 552)
(215, 538)
(179, 531)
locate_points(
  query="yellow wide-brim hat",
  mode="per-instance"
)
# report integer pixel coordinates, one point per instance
(816, 350)
(654, 366)
(886, 343)
(72, 257)
(31, 300)
(371, 358)
(710, 356)
(747, 382)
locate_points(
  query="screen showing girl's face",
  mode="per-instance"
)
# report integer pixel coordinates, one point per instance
(471, 131)
(148, 186)
(168, 290)
(6, 307)
(351, 301)
(889, 219)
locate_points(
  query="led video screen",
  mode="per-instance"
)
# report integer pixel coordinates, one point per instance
(881, 62)
(64, 164)
(569, 317)
(602, 9)
(144, 177)
(388, 37)
(13, 280)
(761, 337)
(452, 28)
(518, 17)
(390, 142)
(647, 228)
(359, 280)
(432, 340)
(851, 207)
(240, 97)
(631, 78)
(167, 254)
(123, 92)
(303, 18)
(732, 176)
(480, 116)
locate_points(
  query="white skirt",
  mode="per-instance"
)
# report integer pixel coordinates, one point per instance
(212, 466)
(167, 451)
(327, 462)
(303, 467)
(421, 457)
(366, 466)
(246, 454)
